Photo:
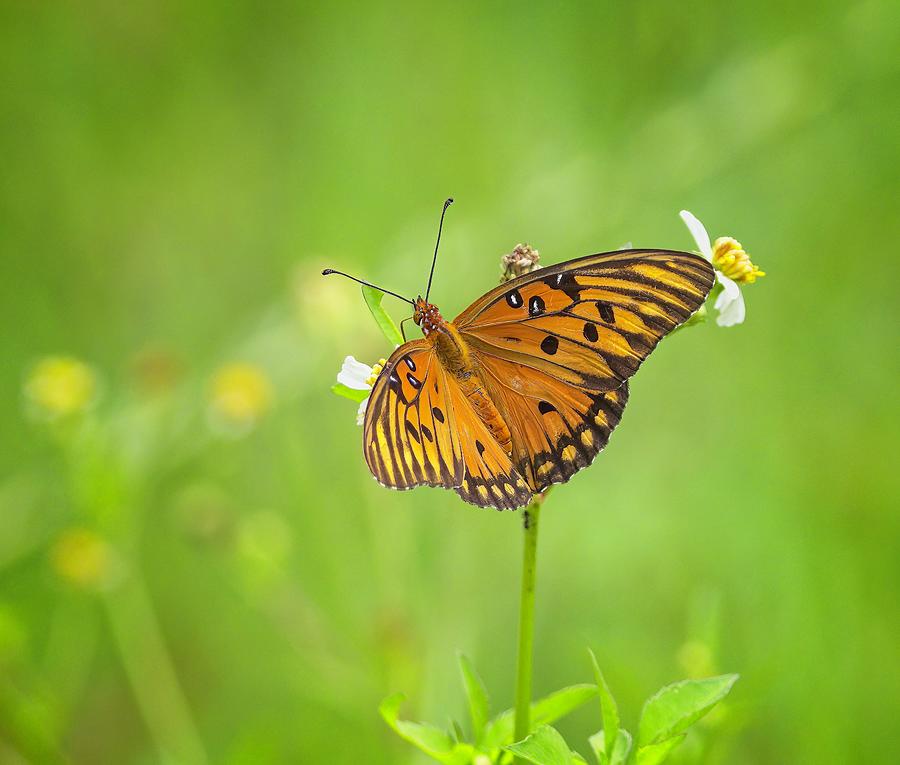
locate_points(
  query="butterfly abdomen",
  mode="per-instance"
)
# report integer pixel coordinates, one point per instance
(454, 355)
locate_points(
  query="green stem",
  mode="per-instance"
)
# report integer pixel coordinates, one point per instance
(526, 620)
(153, 679)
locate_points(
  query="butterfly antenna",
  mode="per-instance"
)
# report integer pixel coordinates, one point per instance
(328, 271)
(447, 204)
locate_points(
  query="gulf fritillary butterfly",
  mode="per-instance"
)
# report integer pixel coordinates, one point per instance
(523, 388)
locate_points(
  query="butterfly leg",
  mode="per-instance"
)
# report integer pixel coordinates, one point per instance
(402, 329)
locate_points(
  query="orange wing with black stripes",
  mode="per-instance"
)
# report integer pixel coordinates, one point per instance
(420, 429)
(554, 350)
(557, 346)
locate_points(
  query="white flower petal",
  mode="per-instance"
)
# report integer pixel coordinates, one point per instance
(354, 374)
(730, 303)
(361, 412)
(698, 231)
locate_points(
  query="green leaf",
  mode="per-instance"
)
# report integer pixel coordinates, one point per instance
(373, 298)
(543, 747)
(429, 739)
(653, 754)
(622, 748)
(674, 708)
(598, 747)
(477, 695)
(352, 393)
(499, 731)
(608, 708)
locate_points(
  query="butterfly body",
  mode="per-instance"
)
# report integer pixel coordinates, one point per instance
(523, 389)
(455, 357)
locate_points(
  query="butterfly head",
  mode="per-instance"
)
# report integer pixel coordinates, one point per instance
(427, 316)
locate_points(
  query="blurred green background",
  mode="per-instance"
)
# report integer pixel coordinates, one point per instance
(199, 568)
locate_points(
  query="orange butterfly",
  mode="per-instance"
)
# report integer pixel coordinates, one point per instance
(523, 388)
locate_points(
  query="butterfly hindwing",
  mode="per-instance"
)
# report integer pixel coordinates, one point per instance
(589, 322)
(490, 480)
(557, 429)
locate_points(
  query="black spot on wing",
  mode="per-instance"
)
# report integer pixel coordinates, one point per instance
(514, 299)
(413, 381)
(590, 332)
(606, 312)
(545, 407)
(550, 345)
(577, 448)
(566, 283)
(396, 387)
(438, 414)
(536, 306)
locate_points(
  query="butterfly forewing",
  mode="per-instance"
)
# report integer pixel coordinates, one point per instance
(592, 321)
(410, 435)
(420, 429)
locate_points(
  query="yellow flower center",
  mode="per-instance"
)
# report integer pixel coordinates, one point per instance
(376, 370)
(729, 257)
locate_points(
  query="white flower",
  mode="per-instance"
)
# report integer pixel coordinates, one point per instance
(358, 376)
(354, 374)
(726, 256)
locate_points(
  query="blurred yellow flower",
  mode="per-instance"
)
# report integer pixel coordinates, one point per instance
(59, 386)
(240, 394)
(729, 257)
(83, 558)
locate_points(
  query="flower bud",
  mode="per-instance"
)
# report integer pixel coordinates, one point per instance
(522, 260)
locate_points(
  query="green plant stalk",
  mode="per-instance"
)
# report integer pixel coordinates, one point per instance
(526, 620)
(150, 671)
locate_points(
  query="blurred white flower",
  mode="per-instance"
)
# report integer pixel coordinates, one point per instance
(732, 264)
(358, 376)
